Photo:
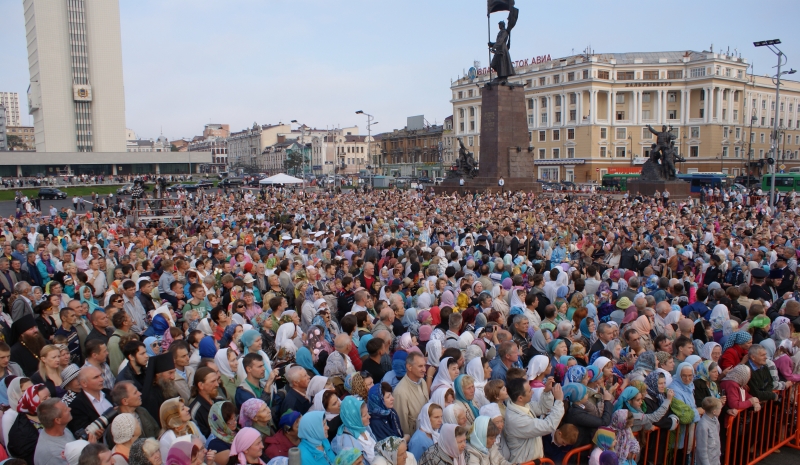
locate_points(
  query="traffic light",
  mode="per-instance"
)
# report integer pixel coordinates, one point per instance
(770, 161)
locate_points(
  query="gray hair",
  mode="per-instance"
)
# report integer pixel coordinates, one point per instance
(633, 282)
(293, 374)
(342, 342)
(455, 321)
(48, 412)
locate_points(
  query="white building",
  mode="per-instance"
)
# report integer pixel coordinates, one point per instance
(245, 147)
(149, 145)
(10, 100)
(76, 93)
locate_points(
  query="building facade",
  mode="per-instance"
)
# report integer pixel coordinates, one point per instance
(149, 145)
(3, 129)
(588, 114)
(25, 135)
(216, 130)
(245, 147)
(218, 149)
(76, 93)
(10, 100)
(414, 152)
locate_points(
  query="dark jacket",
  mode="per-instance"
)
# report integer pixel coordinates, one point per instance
(22, 439)
(25, 359)
(95, 334)
(295, 401)
(83, 412)
(199, 409)
(586, 422)
(760, 383)
(127, 374)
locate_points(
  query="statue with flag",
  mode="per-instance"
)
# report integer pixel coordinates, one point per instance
(501, 61)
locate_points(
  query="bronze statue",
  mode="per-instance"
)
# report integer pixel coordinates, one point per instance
(663, 139)
(466, 161)
(501, 61)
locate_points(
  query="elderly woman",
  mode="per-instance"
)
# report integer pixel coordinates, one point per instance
(683, 386)
(451, 448)
(465, 397)
(482, 447)
(393, 451)
(278, 444)
(255, 413)
(246, 447)
(145, 451)
(632, 399)
(125, 429)
(480, 371)
(576, 397)
(735, 348)
(384, 420)
(736, 390)
(24, 434)
(705, 382)
(314, 445)
(355, 431)
(176, 421)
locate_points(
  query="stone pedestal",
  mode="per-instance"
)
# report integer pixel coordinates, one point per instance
(676, 189)
(504, 144)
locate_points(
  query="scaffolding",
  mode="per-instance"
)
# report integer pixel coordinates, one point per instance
(146, 212)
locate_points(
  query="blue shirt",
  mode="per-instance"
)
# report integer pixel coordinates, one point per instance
(419, 443)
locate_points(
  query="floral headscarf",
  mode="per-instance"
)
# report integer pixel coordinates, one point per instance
(29, 403)
(740, 374)
(219, 427)
(703, 370)
(317, 341)
(737, 338)
(575, 374)
(387, 448)
(378, 409)
(604, 438)
(626, 443)
(249, 410)
(651, 381)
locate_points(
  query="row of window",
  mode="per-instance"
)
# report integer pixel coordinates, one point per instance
(694, 152)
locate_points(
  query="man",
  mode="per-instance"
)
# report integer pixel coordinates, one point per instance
(136, 354)
(128, 399)
(97, 278)
(452, 339)
(22, 305)
(385, 323)
(54, 416)
(30, 272)
(81, 323)
(758, 290)
(180, 356)
(524, 426)
(359, 301)
(94, 454)
(605, 333)
(521, 338)
(25, 352)
(372, 364)
(531, 310)
(507, 357)
(96, 354)
(295, 399)
(122, 323)
(398, 306)
(339, 363)
(198, 301)
(69, 331)
(629, 258)
(134, 308)
(160, 383)
(7, 367)
(100, 330)
(206, 393)
(251, 385)
(91, 402)
(7, 279)
(761, 383)
(411, 393)
(367, 277)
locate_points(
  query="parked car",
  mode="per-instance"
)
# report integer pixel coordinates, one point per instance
(51, 193)
(747, 180)
(125, 190)
(424, 180)
(231, 182)
(176, 187)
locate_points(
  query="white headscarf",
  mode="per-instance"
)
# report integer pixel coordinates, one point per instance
(318, 407)
(316, 385)
(221, 360)
(434, 349)
(537, 365)
(424, 422)
(515, 300)
(719, 316)
(284, 337)
(475, 369)
(205, 327)
(442, 376)
(14, 393)
(424, 301)
(450, 414)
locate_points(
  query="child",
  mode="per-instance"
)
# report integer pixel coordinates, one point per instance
(604, 440)
(561, 442)
(708, 449)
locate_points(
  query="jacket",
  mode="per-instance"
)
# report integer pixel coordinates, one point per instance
(277, 445)
(476, 457)
(736, 396)
(760, 383)
(708, 448)
(409, 398)
(22, 439)
(115, 356)
(586, 422)
(83, 412)
(523, 430)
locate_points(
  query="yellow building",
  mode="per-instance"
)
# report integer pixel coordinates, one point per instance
(588, 114)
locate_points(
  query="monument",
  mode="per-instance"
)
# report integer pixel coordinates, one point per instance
(505, 146)
(658, 172)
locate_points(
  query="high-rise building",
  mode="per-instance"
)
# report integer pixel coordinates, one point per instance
(3, 143)
(10, 100)
(76, 93)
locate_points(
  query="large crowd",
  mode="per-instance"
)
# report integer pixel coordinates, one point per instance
(392, 328)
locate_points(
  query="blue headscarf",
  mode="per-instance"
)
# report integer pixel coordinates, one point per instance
(319, 321)
(92, 302)
(303, 358)
(585, 328)
(685, 392)
(148, 342)
(399, 363)
(384, 421)
(561, 292)
(207, 347)
(574, 392)
(575, 374)
(351, 416)
(312, 435)
(248, 338)
(739, 337)
(375, 402)
(160, 324)
(4, 391)
(347, 456)
(362, 345)
(288, 418)
(227, 336)
(623, 401)
(564, 359)
(478, 437)
(460, 395)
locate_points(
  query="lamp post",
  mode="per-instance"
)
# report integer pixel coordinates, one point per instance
(370, 123)
(772, 45)
(302, 150)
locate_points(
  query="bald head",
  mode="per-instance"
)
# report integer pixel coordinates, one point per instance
(663, 308)
(387, 316)
(640, 303)
(342, 343)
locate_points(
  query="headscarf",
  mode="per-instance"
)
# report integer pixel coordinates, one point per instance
(205, 327)
(14, 393)
(604, 438)
(179, 454)
(316, 385)
(249, 410)
(601, 363)
(217, 424)
(288, 418)
(448, 300)
(442, 376)
(537, 366)
(348, 456)
(642, 325)
(651, 381)
(362, 345)
(759, 322)
(739, 374)
(303, 358)
(737, 338)
(539, 341)
(622, 401)
(460, 395)
(475, 369)
(478, 436)
(387, 448)
(244, 439)
(136, 455)
(354, 384)
(646, 361)
(584, 327)
(399, 363)
(575, 374)
(221, 360)
(436, 318)
(708, 347)
(626, 443)
(284, 337)
(719, 315)
(702, 373)
(312, 435)
(148, 345)
(404, 342)
(450, 414)
(434, 350)
(424, 422)
(91, 302)
(608, 457)
(350, 415)
(574, 392)
(448, 444)
(206, 347)
(248, 338)
(29, 403)
(378, 409)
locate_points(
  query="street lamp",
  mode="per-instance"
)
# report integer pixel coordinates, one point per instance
(370, 123)
(772, 45)
(302, 149)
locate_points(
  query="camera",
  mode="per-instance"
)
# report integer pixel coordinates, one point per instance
(101, 422)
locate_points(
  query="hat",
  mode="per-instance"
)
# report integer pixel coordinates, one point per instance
(780, 258)
(396, 282)
(481, 238)
(295, 241)
(775, 273)
(68, 374)
(759, 273)
(23, 324)
(123, 427)
(163, 362)
(286, 238)
(319, 233)
(624, 303)
(214, 241)
(248, 278)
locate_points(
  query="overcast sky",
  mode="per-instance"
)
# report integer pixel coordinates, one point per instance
(191, 62)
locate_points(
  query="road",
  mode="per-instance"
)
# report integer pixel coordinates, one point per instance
(8, 207)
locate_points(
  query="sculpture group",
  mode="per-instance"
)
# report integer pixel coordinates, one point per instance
(466, 164)
(663, 156)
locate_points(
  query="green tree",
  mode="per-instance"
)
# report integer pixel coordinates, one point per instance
(294, 161)
(173, 148)
(15, 142)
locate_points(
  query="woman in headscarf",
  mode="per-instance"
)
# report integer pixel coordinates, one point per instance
(576, 398)
(711, 351)
(327, 401)
(539, 367)
(448, 371)
(450, 450)
(222, 422)
(175, 421)
(480, 371)
(362, 345)
(719, 315)
(656, 397)
(482, 447)
(180, 453)
(448, 300)
(642, 327)
(228, 367)
(383, 418)
(278, 444)
(632, 399)
(758, 328)
(398, 369)
(314, 445)
(429, 421)
(284, 339)
(627, 447)
(393, 451)
(604, 440)
(464, 386)
(645, 364)
(355, 431)
(783, 361)
(86, 297)
(683, 386)
(247, 447)
(303, 358)
(24, 433)
(152, 346)
(737, 393)
(540, 340)
(735, 348)
(355, 385)
(255, 413)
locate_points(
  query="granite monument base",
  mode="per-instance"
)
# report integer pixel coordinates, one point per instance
(676, 189)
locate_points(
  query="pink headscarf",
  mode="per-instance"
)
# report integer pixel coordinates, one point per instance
(448, 299)
(166, 341)
(243, 440)
(447, 441)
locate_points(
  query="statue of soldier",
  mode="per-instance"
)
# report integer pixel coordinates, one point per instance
(663, 139)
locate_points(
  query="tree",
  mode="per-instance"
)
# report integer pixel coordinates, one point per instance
(173, 148)
(15, 142)
(294, 160)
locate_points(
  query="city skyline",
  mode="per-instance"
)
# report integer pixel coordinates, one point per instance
(318, 63)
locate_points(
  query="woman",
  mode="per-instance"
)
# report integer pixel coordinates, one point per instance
(480, 371)
(719, 315)
(656, 397)
(683, 386)
(627, 447)
(434, 351)
(255, 413)
(383, 418)
(278, 445)
(49, 372)
(454, 414)
(284, 339)
(228, 366)
(445, 377)
(45, 321)
(482, 448)
(222, 422)
(705, 382)
(632, 399)
(451, 448)
(355, 431)
(642, 326)
(576, 397)
(126, 430)
(46, 267)
(735, 348)
(152, 346)
(429, 421)
(86, 297)
(145, 451)
(465, 396)
(231, 338)
(393, 451)
(604, 440)
(645, 364)
(314, 445)
(175, 421)
(303, 358)
(737, 393)
(24, 433)
(327, 401)
(246, 448)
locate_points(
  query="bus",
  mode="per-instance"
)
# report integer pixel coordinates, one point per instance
(618, 182)
(700, 180)
(784, 182)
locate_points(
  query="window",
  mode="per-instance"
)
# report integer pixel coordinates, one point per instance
(542, 154)
(542, 81)
(603, 133)
(460, 112)
(544, 118)
(586, 74)
(460, 94)
(556, 153)
(471, 93)
(697, 72)
(530, 104)
(694, 151)
(761, 153)
(625, 75)
(570, 152)
(556, 78)
(470, 140)
(602, 74)
(621, 133)
(736, 96)
(675, 74)
(571, 76)
(557, 117)
(472, 125)
(783, 104)
(531, 120)
(727, 72)
(736, 152)
(645, 97)
(542, 136)
(572, 115)
(529, 83)
(556, 134)
(650, 75)
(724, 114)
(672, 97)
(736, 115)
(573, 99)
(620, 98)
(544, 102)
(763, 104)
(726, 132)
(672, 114)
(762, 137)
(603, 152)
(740, 74)
(471, 111)
(558, 100)
(646, 134)
(725, 151)
(461, 127)
(763, 121)
(620, 152)
(571, 134)
(695, 132)
(738, 132)
(620, 115)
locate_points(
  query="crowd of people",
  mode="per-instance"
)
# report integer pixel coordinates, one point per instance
(392, 327)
